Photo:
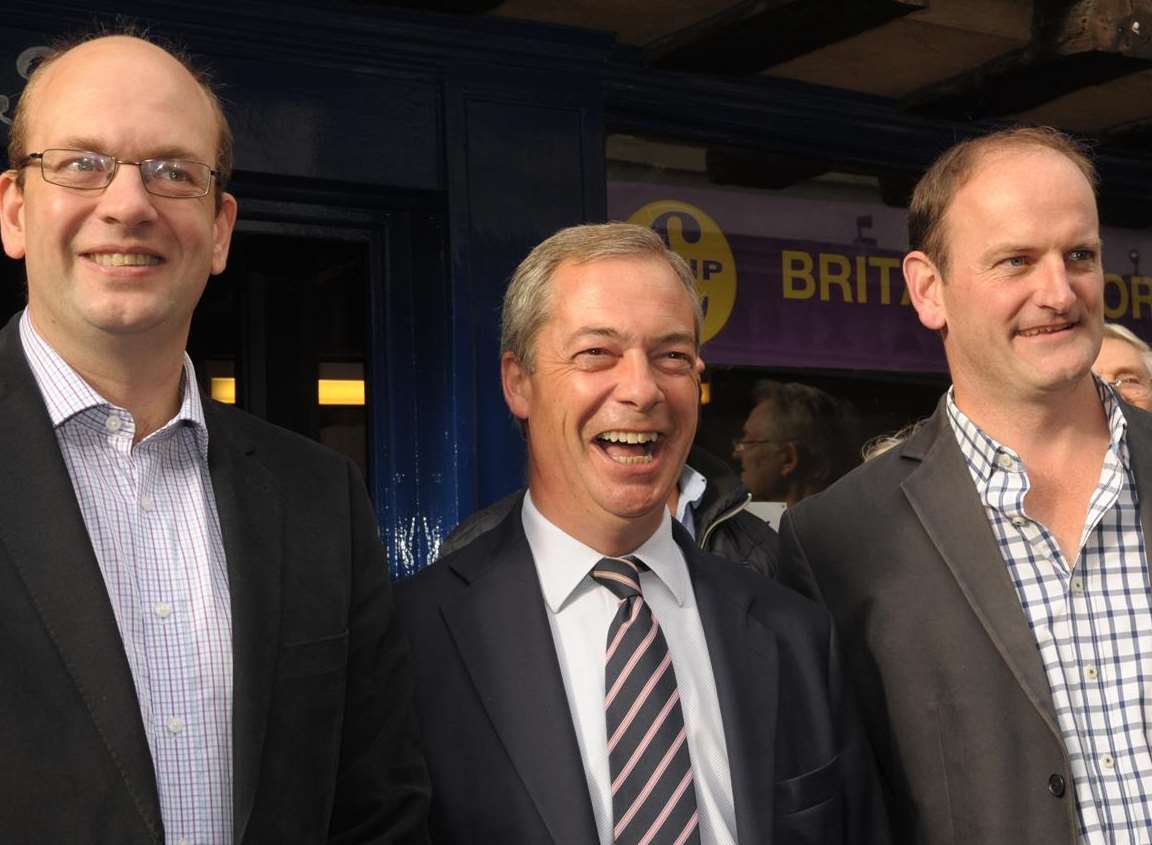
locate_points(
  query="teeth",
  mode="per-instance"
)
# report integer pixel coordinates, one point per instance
(635, 459)
(1043, 330)
(123, 259)
(630, 436)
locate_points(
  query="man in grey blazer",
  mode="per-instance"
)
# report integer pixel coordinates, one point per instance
(990, 573)
(197, 641)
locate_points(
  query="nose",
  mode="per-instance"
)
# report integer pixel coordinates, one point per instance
(637, 384)
(1054, 287)
(125, 201)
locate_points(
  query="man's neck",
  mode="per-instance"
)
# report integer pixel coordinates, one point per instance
(131, 371)
(1045, 424)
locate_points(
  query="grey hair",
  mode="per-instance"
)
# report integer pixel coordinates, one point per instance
(1126, 335)
(527, 299)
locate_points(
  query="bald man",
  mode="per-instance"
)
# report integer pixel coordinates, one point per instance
(196, 636)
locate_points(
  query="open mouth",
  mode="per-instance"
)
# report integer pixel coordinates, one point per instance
(1043, 330)
(123, 259)
(629, 447)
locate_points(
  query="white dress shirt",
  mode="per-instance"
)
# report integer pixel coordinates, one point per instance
(580, 612)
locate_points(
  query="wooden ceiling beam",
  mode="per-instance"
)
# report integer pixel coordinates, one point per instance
(753, 35)
(1075, 43)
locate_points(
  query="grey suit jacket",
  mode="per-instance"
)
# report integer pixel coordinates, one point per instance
(323, 732)
(503, 754)
(946, 670)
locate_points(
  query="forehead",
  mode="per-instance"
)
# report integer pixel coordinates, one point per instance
(1024, 191)
(124, 92)
(1116, 355)
(632, 295)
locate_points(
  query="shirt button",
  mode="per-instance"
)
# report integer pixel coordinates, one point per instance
(1056, 786)
(146, 504)
(175, 725)
(1018, 521)
(1077, 584)
(1090, 672)
(1107, 762)
(1004, 461)
(162, 609)
(112, 423)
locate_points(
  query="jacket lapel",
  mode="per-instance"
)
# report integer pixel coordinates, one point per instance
(250, 523)
(943, 497)
(1140, 451)
(60, 571)
(744, 658)
(501, 629)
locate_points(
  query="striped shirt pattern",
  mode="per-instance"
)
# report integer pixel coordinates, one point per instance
(151, 516)
(653, 794)
(1092, 621)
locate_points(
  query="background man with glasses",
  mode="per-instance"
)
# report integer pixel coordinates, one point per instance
(196, 631)
(1125, 364)
(990, 572)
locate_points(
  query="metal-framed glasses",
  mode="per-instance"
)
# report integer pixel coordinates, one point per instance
(178, 178)
(1131, 387)
(739, 445)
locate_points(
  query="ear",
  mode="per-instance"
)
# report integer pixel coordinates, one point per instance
(517, 382)
(11, 214)
(925, 289)
(222, 232)
(791, 459)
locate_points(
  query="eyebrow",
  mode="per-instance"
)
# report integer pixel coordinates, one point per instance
(84, 142)
(615, 334)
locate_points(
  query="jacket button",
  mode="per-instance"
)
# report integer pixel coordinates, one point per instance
(1056, 786)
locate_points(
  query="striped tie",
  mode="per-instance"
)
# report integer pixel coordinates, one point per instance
(653, 797)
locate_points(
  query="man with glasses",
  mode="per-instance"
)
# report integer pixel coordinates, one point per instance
(196, 635)
(990, 572)
(1125, 365)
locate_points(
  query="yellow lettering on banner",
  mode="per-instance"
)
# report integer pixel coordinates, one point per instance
(841, 278)
(1141, 295)
(862, 278)
(886, 266)
(1117, 282)
(797, 268)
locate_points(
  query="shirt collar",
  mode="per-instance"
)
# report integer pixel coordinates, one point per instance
(983, 454)
(66, 394)
(563, 562)
(692, 487)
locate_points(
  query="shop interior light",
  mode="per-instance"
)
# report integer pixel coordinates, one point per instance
(224, 390)
(340, 391)
(329, 391)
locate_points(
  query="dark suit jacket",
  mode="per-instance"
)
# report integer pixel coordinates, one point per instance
(954, 693)
(502, 750)
(322, 726)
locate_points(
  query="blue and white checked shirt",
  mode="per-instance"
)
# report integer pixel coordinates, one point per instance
(1092, 620)
(151, 516)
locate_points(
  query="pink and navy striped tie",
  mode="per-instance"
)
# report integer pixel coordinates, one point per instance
(653, 796)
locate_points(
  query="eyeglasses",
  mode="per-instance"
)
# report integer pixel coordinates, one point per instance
(177, 178)
(1131, 387)
(739, 445)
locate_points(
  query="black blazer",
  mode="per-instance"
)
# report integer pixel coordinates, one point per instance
(322, 728)
(951, 685)
(501, 746)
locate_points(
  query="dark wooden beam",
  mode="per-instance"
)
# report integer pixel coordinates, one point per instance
(759, 168)
(756, 34)
(1075, 43)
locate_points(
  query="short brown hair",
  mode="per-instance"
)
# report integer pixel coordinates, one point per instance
(527, 298)
(952, 170)
(18, 131)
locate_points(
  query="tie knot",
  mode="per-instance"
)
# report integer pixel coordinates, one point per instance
(621, 575)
